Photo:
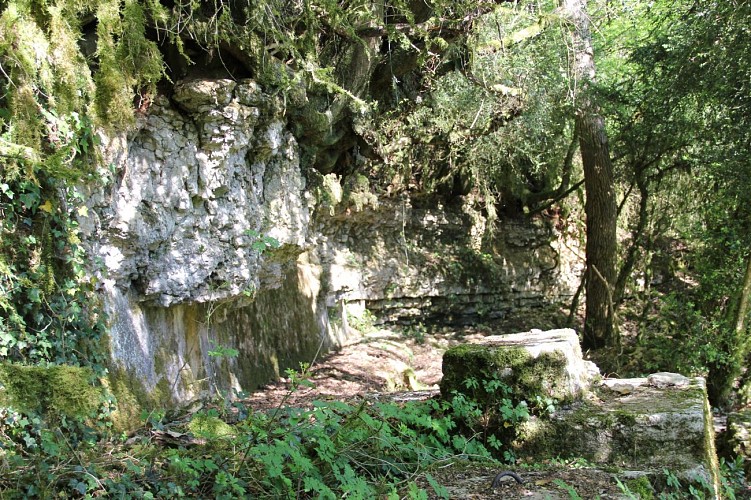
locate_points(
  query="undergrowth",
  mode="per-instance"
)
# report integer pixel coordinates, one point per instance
(363, 448)
(359, 449)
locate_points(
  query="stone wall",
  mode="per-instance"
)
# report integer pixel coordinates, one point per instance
(175, 239)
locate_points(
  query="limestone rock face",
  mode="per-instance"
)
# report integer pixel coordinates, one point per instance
(180, 239)
(179, 233)
(411, 263)
(189, 188)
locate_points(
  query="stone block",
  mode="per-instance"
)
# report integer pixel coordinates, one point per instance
(646, 424)
(739, 437)
(536, 363)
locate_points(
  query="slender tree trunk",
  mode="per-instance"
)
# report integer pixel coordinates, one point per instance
(739, 324)
(744, 301)
(600, 205)
(637, 239)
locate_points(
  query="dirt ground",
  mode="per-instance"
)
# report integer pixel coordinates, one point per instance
(394, 359)
(382, 361)
(394, 362)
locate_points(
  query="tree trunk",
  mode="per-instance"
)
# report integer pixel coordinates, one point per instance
(744, 301)
(739, 325)
(600, 205)
(637, 241)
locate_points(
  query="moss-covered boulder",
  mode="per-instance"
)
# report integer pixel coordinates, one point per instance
(536, 363)
(644, 425)
(55, 391)
(649, 424)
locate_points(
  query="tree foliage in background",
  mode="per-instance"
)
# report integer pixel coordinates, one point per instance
(716, 44)
(676, 87)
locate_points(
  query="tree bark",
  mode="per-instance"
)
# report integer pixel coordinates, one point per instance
(722, 376)
(744, 300)
(600, 205)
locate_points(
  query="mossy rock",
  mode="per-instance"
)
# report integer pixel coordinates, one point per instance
(56, 391)
(739, 437)
(546, 364)
(650, 428)
(640, 487)
(210, 427)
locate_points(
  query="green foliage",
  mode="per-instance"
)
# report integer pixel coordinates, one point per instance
(487, 409)
(679, 338)
(48, 308)
(732, 477)
(636, 489)
(416, 332)
(220, 351)
(570, 490)
(364, 322)
(674, 489)
(361, 449)
(130, 66)
(262, 243)
(50, 417)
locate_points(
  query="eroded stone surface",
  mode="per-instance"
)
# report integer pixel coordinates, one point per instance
(666, 379)
(739, 436)
(205, 177)
(649, 426)
(646, 424)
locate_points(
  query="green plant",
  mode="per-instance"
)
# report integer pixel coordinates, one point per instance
(261, 243)
(220, 351)
(415, 332)
(362, 449)
(217, 355)
(675, 490)
(572, 493)
(488, 410)
(636, 489)
(49, 310)
(364, 322)
(732, 476)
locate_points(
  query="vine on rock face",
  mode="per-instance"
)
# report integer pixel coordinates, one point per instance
(49, 311)
(49, 108)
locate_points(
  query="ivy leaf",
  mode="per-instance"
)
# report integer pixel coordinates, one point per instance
(29, 200)
(46, 207)
(6, 190)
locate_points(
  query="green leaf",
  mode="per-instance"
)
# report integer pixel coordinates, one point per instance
(438, 488)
